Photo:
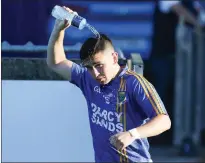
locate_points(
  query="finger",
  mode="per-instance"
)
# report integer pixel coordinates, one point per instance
(75, 13)
(123, 147)
(119, 145)
(118, 135)
(68, 9)
(66, 22)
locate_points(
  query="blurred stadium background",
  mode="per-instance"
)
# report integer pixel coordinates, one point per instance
(26, 26)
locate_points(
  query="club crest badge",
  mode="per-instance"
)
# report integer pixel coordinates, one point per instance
(121, 96)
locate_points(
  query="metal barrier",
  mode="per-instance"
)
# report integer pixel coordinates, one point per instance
(136, 63)
(189, 85)
(31, 48)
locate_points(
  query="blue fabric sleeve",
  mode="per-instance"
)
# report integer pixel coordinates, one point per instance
(147, 98)
(79, 76)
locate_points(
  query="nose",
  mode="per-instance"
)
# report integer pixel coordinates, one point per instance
(95, 72)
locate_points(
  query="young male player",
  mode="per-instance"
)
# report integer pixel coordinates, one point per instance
(124, 108)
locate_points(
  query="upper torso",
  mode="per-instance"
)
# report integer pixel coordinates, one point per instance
(112, 109)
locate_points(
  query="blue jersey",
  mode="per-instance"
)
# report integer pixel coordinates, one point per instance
(128, 101)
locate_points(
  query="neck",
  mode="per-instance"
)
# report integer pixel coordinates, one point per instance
(117, 71)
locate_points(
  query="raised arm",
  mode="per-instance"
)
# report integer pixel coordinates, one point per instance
(56, 58)
(180, 10)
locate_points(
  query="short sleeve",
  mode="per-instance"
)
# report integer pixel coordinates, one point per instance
(165, 6)
(79, 76)
(147, 98)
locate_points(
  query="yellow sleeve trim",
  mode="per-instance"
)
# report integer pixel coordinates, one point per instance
(150, 93)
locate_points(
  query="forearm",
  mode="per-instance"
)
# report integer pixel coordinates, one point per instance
(185, 13)
(154, 127)
(55, 51)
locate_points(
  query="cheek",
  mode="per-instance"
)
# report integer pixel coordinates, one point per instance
(107, 71)
(104, 71)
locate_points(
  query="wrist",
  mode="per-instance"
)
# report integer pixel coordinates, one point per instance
(56, 29)
(57, 33)
(134, 133)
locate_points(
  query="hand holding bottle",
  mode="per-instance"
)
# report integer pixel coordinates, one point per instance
(72, 18)
(62, 24)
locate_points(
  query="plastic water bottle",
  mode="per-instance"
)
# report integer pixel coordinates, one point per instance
(75, 20)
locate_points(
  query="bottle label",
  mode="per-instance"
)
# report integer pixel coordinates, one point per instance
(76, 21)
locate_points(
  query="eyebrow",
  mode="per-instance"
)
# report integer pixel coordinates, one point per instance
(96, 63)
(91, 65)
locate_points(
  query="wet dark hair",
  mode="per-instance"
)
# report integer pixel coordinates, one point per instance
(94, 45)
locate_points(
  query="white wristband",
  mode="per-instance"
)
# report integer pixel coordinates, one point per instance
(134, 133)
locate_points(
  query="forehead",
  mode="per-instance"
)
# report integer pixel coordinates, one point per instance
(99, 57)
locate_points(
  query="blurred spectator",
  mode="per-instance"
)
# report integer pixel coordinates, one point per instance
(162, 60)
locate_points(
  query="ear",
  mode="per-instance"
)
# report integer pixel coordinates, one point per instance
(115, 57)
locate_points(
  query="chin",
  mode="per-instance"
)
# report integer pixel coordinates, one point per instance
(105, 82)
(102, 82)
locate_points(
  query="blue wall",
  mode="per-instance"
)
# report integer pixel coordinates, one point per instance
(128, 24)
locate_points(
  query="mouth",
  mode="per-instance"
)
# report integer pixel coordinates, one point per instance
(100, 79)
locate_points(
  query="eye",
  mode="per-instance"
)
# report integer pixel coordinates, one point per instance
(99, 65)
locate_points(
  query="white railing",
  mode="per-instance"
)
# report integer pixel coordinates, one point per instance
(31, 48)
(189, 81)
(135, 62)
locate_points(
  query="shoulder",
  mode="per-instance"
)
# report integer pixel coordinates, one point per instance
(133, 77)
(80, 75)
(136, 81)
(78, 67)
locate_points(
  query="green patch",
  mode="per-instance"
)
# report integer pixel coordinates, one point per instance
(121, 96)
